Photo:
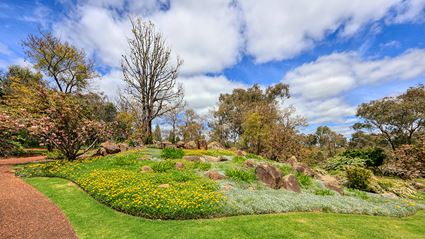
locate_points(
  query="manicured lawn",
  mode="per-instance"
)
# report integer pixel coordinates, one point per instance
(94, 220)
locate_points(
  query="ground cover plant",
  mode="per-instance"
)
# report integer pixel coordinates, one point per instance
(107, 223)
(143, 184)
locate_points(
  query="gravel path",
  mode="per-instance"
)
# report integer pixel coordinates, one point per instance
(24, 211)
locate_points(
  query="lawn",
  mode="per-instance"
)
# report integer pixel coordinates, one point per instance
(95, 220)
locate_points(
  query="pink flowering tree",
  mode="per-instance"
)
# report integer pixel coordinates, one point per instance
(68, 125)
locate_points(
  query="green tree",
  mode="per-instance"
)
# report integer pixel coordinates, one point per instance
(65, 64)
(398, 118)
(192, 126)
(157, 133)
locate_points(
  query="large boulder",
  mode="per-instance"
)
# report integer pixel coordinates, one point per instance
(109, 148)
(215, 145)
(331, 183)
(191, 145)
(241, 153)
(303, 168)
(202, 144)
(167, 144)
(290, 183)
(269, 175)
(123, 147)
(292, 161)
(214, 175)
(180, 144)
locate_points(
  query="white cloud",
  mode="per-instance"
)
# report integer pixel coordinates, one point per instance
(205, 34)
(277, 30)
(110, 84)
(334, 74)
(318, 87)
(202, 92)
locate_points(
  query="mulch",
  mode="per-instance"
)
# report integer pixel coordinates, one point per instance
(24, 211)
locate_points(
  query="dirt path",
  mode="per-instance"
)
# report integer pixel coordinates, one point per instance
(25, 212)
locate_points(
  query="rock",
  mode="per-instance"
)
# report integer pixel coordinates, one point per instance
(165, 185)
(251, 188)
(202, 144)
(180, 144)
(214, 175)
(331, 183)
(167, 144)
(269, 175)
(240, 152)
(191, 145)
(146, 169)
(179, 166)
(290, 183)
(302, 168)
(227, 187)
(111, 148)
(101, 152)
(144, 157)
(292, 161)
(207, 158)
(215, 145)
(418, 186)
(249, 163)
(223, 158)
(192, 158)
(123, 147)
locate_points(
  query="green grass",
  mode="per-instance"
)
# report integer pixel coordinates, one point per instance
(94, 220)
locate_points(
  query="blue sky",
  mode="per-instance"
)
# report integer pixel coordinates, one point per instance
(334, 54)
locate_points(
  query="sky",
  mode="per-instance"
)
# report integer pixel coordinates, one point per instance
(333, 54)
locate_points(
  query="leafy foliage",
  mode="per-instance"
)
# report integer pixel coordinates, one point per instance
(241, 175)
(67, 125)
(172, 153)
(358, 178)
(342, 162)
(374, 156)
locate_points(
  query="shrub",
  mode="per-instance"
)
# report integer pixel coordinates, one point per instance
(358, 178)
(342, 162)
(163, 166)
(285, 168)
(241, 175)
(323, 192)
(304, 180)
(373, 157)
(239, 159)
(172, 153)
(201, 166)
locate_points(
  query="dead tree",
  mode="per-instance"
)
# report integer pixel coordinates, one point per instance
(150, 75)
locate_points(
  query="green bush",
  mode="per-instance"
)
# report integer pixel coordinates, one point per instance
(241, 175)
(304, 180)
(285, 168)
(201, 166)
(55, 155)
(358, 178)
(163, 166)
(373, 157)
(342, 162)
(172, 153)
(323, 192)
(239, 159)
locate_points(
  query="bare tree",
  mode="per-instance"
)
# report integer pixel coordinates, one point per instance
(150, 75)
(67, 65)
